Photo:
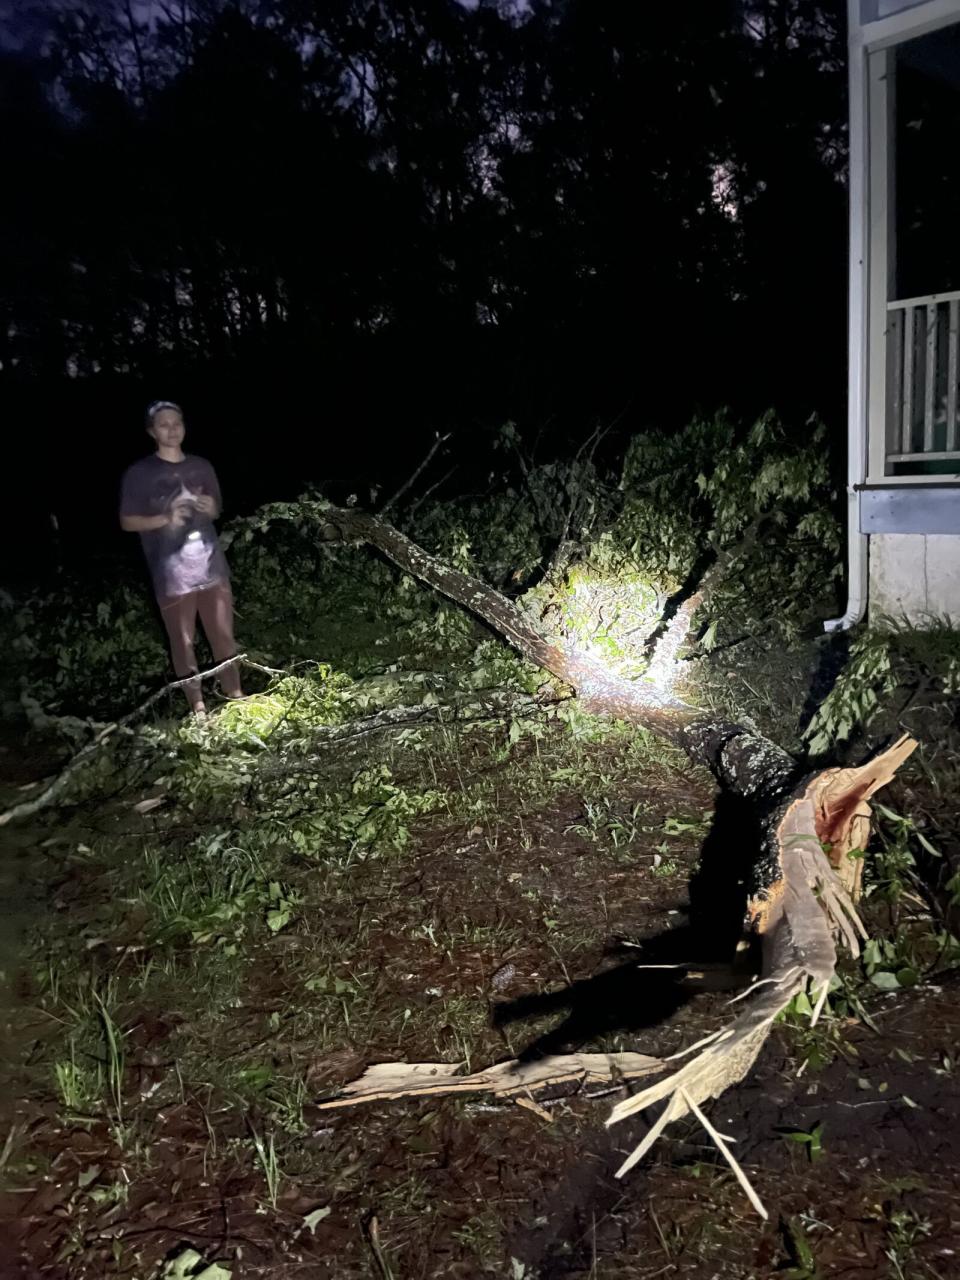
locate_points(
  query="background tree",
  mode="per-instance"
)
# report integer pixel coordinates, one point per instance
(359, 220)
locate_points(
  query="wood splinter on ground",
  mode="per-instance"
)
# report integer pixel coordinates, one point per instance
(801, 908)
(388, 1081)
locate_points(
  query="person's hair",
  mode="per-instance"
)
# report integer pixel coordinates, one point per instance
(154, 408)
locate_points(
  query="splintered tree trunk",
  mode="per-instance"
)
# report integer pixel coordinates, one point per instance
(803, 884)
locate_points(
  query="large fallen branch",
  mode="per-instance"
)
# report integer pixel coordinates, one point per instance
(54, 789)
(799, 901)
(482, 706)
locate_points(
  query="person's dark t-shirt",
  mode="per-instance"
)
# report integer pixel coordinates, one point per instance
(188, 558)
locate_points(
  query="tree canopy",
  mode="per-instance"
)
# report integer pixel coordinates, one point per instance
(337, 214)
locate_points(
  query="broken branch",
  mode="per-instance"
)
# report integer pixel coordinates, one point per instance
(412, 479)
(29, 807)
(387, 1081)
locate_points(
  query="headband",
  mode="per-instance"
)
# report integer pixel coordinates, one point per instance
(157, 405)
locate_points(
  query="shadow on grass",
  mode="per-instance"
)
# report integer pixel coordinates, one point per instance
(628, 997)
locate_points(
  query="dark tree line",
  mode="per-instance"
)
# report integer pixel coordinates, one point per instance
(330, 215)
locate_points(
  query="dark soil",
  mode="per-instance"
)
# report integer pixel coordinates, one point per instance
(544, 929)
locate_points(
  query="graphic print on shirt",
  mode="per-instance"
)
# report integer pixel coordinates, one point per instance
(188, 566)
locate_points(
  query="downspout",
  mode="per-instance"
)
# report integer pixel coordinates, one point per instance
(856, 569)
(858, 187)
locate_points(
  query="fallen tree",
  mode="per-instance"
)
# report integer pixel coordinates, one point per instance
(804, 884)
(803, 888)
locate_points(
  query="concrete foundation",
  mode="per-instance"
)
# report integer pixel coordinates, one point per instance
(915, 575)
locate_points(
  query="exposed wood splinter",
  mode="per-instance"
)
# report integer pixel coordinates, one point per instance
(387, 1081)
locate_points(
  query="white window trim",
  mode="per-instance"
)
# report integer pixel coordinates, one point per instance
(870, 52)
(916, 21)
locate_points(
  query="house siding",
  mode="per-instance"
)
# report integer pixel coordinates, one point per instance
(916, 576)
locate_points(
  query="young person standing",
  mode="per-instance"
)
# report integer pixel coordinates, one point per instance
(171, 499)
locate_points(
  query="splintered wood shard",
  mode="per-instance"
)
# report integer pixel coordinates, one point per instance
(723, 1062)
(387, 1081)
(843, 815)
(800, 911)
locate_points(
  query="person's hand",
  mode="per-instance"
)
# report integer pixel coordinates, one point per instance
(205, 504)
(180, 513)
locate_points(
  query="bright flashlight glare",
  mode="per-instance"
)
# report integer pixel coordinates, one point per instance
(612, 620)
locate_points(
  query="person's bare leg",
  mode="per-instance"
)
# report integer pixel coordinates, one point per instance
(215, 606)
(179, 615)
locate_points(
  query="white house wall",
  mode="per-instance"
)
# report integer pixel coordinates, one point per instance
(915, 575)
(904, 530)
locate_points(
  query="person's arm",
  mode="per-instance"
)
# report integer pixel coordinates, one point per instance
(176, 518)
(134, 500)
(143, 524)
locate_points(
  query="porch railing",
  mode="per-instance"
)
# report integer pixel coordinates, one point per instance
(922, 373)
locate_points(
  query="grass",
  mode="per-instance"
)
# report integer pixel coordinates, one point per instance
(113, 1041)
(266, 1154)
(906, 1229)
(73, 1083)
(367, 919)
(482, 1237)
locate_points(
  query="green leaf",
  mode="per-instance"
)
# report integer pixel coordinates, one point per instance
(180, 1267)
(887, 813)
(677, 827)
(278, 918)
(885, 980)
(799, 1244)
(88, 1175)
(258, 1076)
(311, 1220)
(927, 845)
(802, 1005)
